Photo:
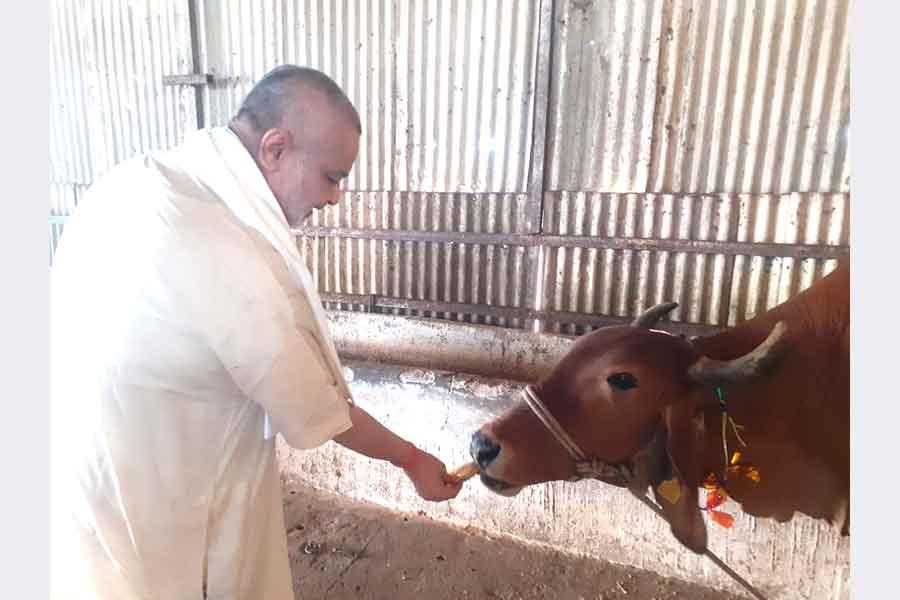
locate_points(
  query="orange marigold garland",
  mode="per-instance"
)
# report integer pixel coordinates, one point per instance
(716, 495)
(749, 471)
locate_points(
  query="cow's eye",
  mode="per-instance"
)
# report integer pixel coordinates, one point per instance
(622, 381)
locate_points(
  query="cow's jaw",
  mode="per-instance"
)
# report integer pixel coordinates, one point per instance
(500, 487)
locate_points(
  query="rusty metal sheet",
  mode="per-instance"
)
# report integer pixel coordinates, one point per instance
(753, 97)
(603, 94)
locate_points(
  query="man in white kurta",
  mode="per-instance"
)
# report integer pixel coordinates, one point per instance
(185, 334)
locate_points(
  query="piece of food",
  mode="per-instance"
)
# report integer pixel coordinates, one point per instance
(465, 472)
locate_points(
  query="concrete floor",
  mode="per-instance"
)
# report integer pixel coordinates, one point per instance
(341, 548)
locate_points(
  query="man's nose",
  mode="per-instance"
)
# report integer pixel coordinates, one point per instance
(483, 449)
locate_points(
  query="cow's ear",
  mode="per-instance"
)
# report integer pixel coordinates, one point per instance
(684, 442)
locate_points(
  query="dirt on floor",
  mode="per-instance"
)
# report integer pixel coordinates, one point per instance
(340, 548)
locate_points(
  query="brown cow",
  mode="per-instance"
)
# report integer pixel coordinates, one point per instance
(645, 399)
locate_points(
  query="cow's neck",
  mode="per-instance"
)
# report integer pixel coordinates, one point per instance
(796, 420)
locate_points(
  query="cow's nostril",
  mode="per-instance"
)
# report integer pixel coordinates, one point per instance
(483, 449)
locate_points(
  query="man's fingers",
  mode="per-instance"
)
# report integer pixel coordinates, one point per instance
(445, 490)
(433, 482)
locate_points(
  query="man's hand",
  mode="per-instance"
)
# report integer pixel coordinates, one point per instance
(429, 476)
(370, 438)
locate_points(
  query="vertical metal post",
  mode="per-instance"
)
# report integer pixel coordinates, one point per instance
(197, 17)
(536, 278)
(728, 274)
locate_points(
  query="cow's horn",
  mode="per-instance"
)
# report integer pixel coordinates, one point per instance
(709, 371)
(649, 317)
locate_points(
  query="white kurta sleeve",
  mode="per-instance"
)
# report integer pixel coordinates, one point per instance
(264, 333)
(278, 365)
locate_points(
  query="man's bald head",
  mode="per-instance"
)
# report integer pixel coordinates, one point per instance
(281, 99)
(303, 133)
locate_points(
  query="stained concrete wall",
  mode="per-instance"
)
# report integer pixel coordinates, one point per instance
(802, 559)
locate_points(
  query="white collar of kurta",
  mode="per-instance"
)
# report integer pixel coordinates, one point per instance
(219, 159)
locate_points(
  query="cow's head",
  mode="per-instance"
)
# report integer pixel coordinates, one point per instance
(621, 392)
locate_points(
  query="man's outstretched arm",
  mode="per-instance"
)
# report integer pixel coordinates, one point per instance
(370, 438)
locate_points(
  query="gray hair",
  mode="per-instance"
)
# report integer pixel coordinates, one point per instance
(265, 106)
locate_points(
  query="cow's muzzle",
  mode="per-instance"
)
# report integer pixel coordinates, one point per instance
(484, 451)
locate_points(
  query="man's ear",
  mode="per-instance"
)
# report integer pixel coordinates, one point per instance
(684, 445)
(273, 145)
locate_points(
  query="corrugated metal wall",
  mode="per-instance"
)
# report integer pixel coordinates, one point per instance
(460, 272)
(603, 93)
(695, 120)
(107, 100)
(748, 97)
(445, 96)
(64, 198)
(753, 97)
(711, 288)
(586, 158)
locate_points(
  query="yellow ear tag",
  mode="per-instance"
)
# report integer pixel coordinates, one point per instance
(670, 490)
